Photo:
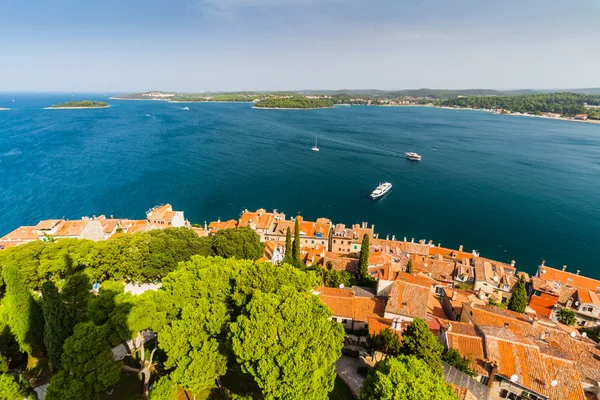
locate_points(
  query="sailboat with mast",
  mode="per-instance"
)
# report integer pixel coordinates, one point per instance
(316, 146)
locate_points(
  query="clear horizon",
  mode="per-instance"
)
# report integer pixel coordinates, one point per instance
(271, 45)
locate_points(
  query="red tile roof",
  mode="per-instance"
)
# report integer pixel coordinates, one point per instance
(408, 299)
(567, 278)
(344, 303)
(21, 234)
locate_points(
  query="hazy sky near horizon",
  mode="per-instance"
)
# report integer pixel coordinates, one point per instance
(204, 45)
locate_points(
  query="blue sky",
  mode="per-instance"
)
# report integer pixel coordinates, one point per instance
(196, 45)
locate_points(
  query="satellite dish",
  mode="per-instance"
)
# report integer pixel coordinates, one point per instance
(584, 334)
(514, 378)
(554, 383)
(573, 334)
(341, 285)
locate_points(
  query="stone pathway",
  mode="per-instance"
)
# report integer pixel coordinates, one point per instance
(346, 368)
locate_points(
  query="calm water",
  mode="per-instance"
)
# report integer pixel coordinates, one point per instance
(511, 187)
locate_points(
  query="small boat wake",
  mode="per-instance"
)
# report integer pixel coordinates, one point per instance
(150, 116)
(186, 108)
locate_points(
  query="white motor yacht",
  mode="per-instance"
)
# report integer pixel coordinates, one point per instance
(413, 156)
(381, 190)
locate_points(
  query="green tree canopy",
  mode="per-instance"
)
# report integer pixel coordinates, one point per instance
(241, 243)
(567, 316)
(25, 317)
(286, 342)
(89, 367)
(405, 377)
(418, 341)
(288, 259)
(59, 323)
(409, 266)
(15, 388)
(363, 264)
(453, 358)
(386, 341)
(296, 245)
(518, 300)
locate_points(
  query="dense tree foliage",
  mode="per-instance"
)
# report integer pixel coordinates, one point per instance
(286, 342)
(241, 243)
(386, 341)
(567, 104)
(333, 278)
(405, 377)
(409, 266)
(15, 387)
(453, 358)
(81, 104)
(363, 263)
(567, 316)
(59, 323)
(294, 102)
(25, 317)
(518, 299)
(144, 256)
(418, 341)
(89, 367)
(288, 258)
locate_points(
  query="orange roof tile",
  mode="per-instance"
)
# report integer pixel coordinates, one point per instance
(21, 234)
(417, 279)
(6, 245)
(567, 278)
(216, 226)
(587, 296)
(344, 303)
(71, 228)
(47, 224)
(470, 346)
(408, 299)
(340, 262)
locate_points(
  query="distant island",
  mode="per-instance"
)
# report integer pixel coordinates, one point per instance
(295, 103)
(80, 104)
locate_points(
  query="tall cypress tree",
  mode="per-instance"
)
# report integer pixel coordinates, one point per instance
(518, 300)
(25, 318)
(288, 247)
(296, 247)
(363, 266)
(409, 266)
(58, 323)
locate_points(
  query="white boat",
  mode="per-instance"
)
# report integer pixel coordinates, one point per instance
(316, 146)
(413, 156)
(381, 190)
(185, 108)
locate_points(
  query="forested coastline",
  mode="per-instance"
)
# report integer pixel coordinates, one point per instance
(294, 102)
(566, 104)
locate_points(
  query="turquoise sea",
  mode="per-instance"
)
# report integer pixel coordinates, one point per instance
(511, 187)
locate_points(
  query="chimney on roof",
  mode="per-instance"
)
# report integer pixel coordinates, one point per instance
(439, 245)
(578, 271)
(112, 217)
(512, 263)
(205, 227)
(460, 248)
(543, 262)
(564, 268)
(449, 329)
(393, 237)
(405, 238)
(364, 225)
(387, 237)
(453, 295)
(494, 366)
(412, 240)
